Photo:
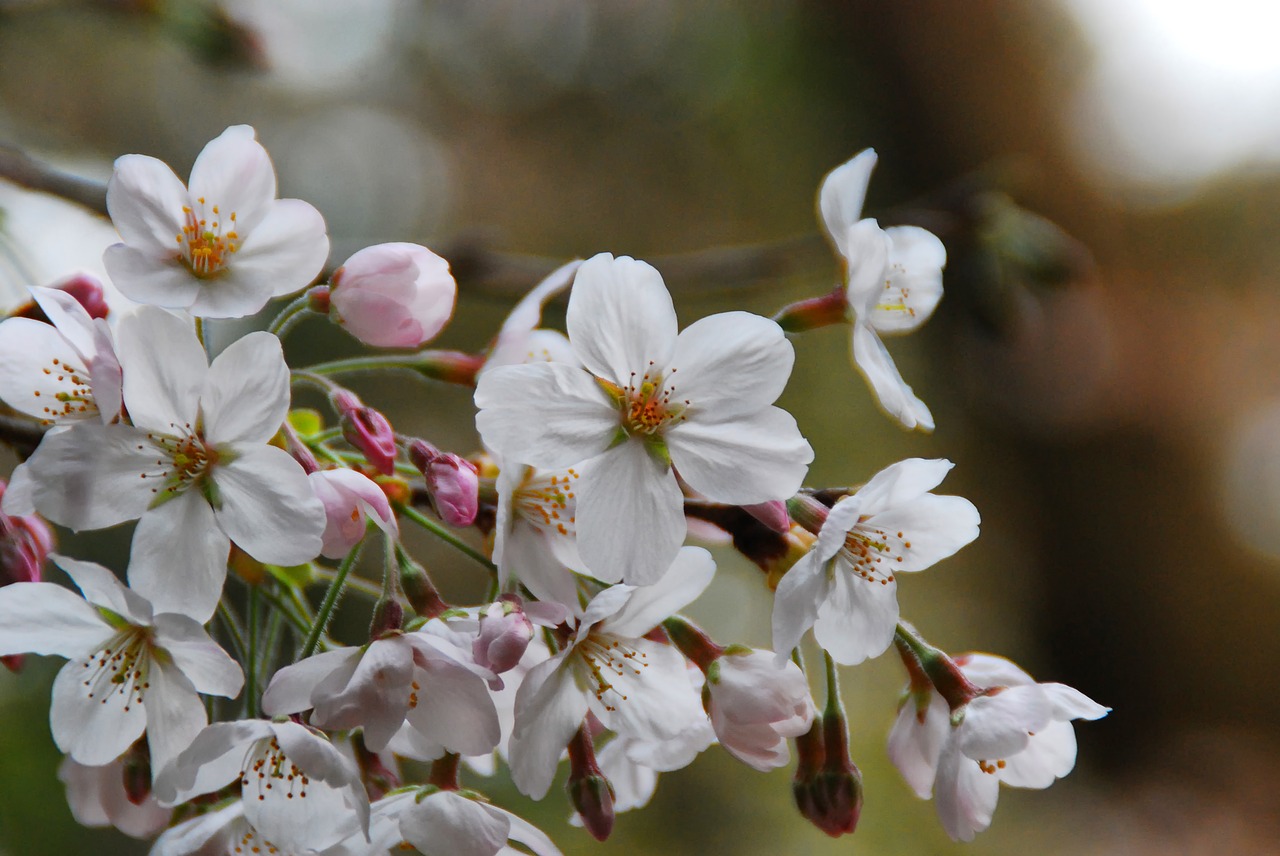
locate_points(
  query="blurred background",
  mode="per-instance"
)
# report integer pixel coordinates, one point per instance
(1103, 368)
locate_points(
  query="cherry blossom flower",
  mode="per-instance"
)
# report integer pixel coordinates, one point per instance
(428, 680)
(1017, 732)
(393, 295)
(757, 704)
(521, 340)
(349, 498)
(97, 798)
(649, 403)
(195, 466)
(535, 534)
(129, 669)
(298, 791)
(894, 283)
(444, 823)
(223, 247)
(634, 686)
(60, 372)
(223, 832)
(845, 588)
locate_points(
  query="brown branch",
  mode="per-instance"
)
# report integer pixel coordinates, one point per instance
(25, 171)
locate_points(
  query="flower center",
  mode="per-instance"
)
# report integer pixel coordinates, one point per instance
(896, 298)
(186, 460)
(607, 658)
(872, 552)
(76, 397)
(204, 244)
(648, 403)
(548, 502)
(120, 668)
(267, 771)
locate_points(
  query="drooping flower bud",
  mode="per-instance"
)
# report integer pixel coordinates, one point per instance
(827, 785)
(393, 295)
(589, 791)
(505, 633)
(349, 498)
(25, 543)
(452, 482)
(368, 430)
(87, 290)
(772, 514)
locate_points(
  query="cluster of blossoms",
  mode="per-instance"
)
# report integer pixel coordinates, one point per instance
(599, 448)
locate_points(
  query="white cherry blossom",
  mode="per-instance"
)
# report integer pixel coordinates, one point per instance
(97, 798)
(394, 295)
(894, 282)
(195, 465)
(129, 668)
(757, 704)
(349, 498)
(298, 791)
(1019, 732)
(845, 588)
(535, 534)
(634, 686)
(222, 247)
(63, 372)
(648, 403)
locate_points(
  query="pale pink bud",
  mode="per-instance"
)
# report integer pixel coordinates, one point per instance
(349, 497)
(772, 514)
(393, 295)
(87, 290)
(756, 705)
(368, 430)
(452, 481)
(505, 633)
(25, 543)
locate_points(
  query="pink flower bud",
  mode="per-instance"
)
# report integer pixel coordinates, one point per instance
(349, 498)
(772, 514)
(87, 290)
(827, 785)
(393, 295)
(589, 791)
(452, 481)
(368, 430)
(757, 704)
(25, 543)
(505, 633)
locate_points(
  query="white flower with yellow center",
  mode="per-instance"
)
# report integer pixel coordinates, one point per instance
(894, 283)
(220, 249)
(129, 669)
(645, 405)
(845, 588)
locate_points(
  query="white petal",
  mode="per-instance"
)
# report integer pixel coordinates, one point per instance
(286, 250)
(682, 584)
(175, 714)
(44, 618)
(620, 318)
(268, 507)
(965, 796)
(675, 753)
(291, 687)
(633, 784)
(375, 694)
(932, 527)
(454, 708)
(31, 380)
(1049, 756)
(71, 319)
(93, 724)
(1070, 703)
(915, 746)
(530, 558)
(101, 587)
(649, 695)
(549, 709)
(988, 670)
(212, 760)
(233, 293)
(164, 368)
(105, 375)
(87, 477)
(201, 660)
(898, 484)
(446, 823)
(530, 836)
(868, 267)
(858, 618)
(234, 173)
(841, 196)
(546, 414)
(801, 591)
(751, 459)
(145, 200)
(319, 815)
(835, 529)
(916, 259)
(527, 314)
(158, 280)
(179, 557)
(999, 725)
(630, 516)
(732, 364)
(246, 393)
(892, 393)
(209, 834)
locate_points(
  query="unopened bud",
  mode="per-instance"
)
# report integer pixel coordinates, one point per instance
(388, 617)
(368, 430)
(87, 290)
(827, 785)
(137, 773)
(418, 588)
(452, 482)
(772, 514)
(505, 633)
(589, 790)
(830, 308)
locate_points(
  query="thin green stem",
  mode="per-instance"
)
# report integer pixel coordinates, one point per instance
(352, 365)
(253, 621)
(330, 601)
(356, 584)
(290, 315)
(835, 705)
(298, 620)
(446, 536)
(275, 624)
(234, 631)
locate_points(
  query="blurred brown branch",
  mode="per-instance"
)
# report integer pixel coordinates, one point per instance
(25, 171)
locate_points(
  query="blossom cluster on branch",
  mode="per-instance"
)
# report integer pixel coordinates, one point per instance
(206, 703)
